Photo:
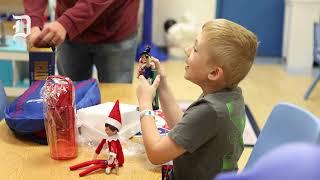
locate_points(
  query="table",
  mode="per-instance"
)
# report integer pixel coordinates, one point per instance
(27, 160)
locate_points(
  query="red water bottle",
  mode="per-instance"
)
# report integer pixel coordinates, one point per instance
(59, 117)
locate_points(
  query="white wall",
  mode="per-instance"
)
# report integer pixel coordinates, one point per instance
(298, 34)
(203, 10)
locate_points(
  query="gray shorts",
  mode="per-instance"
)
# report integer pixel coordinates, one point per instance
(114, 61)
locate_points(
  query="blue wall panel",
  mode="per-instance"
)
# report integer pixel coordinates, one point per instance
(264, 17)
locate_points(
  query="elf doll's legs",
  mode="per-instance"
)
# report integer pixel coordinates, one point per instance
(97, 164)
(87, 163)
(92, 168)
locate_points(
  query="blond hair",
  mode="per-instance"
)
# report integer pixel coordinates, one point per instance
(231, 46)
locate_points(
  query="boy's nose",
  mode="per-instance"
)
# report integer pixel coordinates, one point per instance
(187, 51)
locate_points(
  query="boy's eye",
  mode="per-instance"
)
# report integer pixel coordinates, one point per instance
(194, 49)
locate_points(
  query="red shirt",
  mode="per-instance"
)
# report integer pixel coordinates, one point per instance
(90, 21)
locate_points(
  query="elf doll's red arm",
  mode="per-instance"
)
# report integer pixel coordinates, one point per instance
(99, 148)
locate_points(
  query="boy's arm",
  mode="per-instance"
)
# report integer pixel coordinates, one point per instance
(170, 108)
(188, 135)
(159, 150)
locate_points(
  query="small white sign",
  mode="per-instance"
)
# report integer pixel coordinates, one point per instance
(22, 26)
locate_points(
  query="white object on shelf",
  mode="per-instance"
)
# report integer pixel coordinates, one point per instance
(182, 35)
(165, 9)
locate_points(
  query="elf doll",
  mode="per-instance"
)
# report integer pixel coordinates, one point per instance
(116, 158)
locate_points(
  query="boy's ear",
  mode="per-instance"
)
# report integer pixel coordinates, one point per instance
(215, 73)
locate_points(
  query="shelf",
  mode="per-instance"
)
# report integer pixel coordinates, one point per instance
(15, 52)
(14, 56)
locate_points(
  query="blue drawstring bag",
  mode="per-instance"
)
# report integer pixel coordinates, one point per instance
(24, 115)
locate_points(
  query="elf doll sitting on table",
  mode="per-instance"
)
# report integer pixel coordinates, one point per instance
(116, 158)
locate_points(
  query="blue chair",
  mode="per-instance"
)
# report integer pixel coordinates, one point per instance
(287, 123)
(3, 100)
(316, 56)
(292, 161)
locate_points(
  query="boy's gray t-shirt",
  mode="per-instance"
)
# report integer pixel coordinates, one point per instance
(211, 131)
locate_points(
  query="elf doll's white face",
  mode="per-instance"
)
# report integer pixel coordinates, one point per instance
(109, 132)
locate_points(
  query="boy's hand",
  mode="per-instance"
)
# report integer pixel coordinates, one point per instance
(146, 92)
(155, 64)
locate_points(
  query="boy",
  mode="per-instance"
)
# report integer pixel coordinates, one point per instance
(207, 138)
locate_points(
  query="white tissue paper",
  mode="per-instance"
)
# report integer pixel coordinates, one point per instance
(92, 120)
(91, 126)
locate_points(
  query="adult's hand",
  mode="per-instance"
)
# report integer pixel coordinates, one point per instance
(35, 32)
(52, 35)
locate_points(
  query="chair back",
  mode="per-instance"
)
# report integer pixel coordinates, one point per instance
(287, 123)
(295, 161)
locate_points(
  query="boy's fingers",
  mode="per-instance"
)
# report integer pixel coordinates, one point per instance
(155, 59)
(153, 66)
(141, 62)
(140, 70)
(142, 79)
(156, 62)
(156, 82)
